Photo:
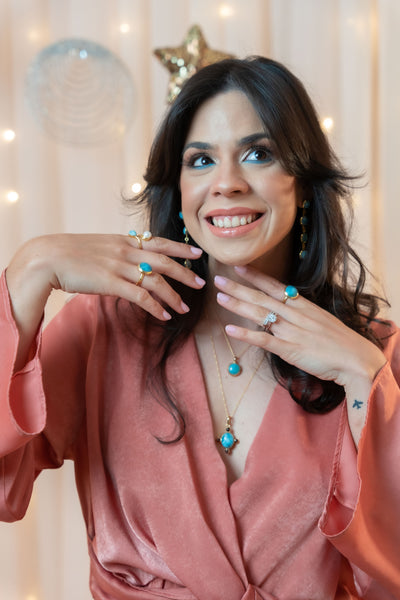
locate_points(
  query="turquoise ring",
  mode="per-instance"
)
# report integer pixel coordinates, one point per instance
(144, 269)
(145, 236)
(291, 293)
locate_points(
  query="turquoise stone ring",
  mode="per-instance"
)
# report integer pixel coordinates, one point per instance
(144, 269)
(291, 293)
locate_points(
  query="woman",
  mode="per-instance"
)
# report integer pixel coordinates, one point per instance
(234, 419)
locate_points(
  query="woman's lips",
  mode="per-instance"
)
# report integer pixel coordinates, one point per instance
(235, 221)
(224, 225)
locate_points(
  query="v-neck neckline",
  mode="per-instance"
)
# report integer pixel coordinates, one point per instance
(213, 448)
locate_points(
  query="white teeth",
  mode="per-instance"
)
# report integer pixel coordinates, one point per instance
(230, 222)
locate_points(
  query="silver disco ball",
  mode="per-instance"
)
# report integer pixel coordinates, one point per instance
(80, 92)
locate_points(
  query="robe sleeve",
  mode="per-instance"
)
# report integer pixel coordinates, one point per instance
(361, 516)
(39, 419)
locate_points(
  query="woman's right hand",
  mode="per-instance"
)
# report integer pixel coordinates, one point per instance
(97, 264)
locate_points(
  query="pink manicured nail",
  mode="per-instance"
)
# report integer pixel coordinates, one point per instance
(166, 315)
(196, 251)
(185, 307)
(222, 297)
(220, 280)
(231, 329)
(199, 280)
(241, 270)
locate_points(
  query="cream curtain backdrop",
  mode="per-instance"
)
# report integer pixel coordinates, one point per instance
(346, 52)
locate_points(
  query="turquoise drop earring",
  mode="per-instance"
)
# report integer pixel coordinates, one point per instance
(186, 262)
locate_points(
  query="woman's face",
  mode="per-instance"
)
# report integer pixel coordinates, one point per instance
(238, 203)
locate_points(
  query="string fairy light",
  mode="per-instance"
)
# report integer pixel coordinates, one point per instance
(8, 135)
(225, 11)
(136, 188)
(124, 28)
(327, 123)
(12, 196)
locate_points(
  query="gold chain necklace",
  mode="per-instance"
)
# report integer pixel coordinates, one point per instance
(234, 368)
(228, 438)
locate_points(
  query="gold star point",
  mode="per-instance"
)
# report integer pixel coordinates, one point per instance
(184, 61)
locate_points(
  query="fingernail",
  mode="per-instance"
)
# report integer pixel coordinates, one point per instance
(166, 315)
(220, 280)
(241, 270)
(185, 307)
(196, 251)
(231, 329)
(222, 297)
(199, 280)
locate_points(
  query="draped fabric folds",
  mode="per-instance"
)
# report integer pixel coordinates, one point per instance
(308, 519)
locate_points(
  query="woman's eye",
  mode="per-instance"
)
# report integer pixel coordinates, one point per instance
(258, 155)
(198, 161)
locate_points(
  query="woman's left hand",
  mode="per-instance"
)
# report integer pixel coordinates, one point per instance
(304, 334)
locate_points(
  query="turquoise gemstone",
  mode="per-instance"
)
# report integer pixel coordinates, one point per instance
(291, 291)
(180, 215)
(132, 233)
(227, 440)
(145, 267)
(234, 369)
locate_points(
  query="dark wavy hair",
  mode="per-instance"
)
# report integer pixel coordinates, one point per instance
(331, 274)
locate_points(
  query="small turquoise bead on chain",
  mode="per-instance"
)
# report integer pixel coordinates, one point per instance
(234, 368)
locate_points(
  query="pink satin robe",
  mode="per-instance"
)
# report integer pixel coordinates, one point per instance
(307, 520)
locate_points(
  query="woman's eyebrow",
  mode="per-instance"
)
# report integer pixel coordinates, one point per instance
(197, 145)
(253, 137)
(244, 141)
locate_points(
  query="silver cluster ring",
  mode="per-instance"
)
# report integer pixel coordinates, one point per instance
(269, 320)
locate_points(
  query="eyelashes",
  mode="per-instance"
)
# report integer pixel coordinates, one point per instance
(257, 154)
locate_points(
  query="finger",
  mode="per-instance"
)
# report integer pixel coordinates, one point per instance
(265, 283)
(156, 284)
(261, 339)
(142, 298)
(250, 311)
(164, 265)
(168, 247)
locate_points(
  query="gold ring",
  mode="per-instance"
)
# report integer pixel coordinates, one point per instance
(291, 293)
(271, 318)
(145, 236)
(144, 269)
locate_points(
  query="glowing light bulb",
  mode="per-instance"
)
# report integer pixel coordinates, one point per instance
(12, 196)
(125, 28)
(327, 123)
(225, 11)
(136, 188)
(8, 135)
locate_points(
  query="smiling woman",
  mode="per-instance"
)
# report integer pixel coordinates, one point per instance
(233, 189)
(251, 397)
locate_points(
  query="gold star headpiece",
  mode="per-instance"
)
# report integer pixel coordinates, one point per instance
(185, 60)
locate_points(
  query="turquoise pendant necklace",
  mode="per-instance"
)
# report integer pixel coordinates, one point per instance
(234, 367)
(228, 439)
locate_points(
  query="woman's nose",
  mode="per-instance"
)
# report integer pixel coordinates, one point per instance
(228, 181)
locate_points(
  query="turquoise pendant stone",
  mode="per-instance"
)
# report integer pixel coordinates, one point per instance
(291, 291)
(227, 440)
(234, 369)
(144, 267)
